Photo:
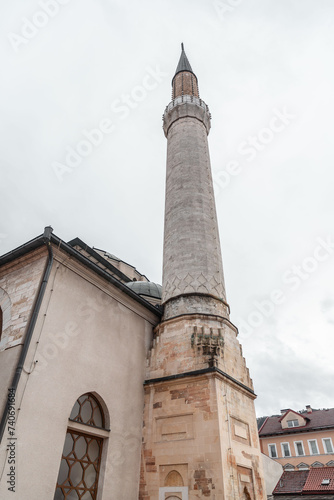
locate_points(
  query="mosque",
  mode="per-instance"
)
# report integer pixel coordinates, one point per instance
(113, 387)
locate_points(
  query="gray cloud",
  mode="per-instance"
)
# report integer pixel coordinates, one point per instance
(263, 55)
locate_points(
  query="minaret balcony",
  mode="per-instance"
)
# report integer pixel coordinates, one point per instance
(186, 106)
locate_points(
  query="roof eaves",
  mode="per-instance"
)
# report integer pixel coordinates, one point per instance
(297, 430)
(22, 250)
(39, 241)
(97, 256)
(293, 411)
(118, 260)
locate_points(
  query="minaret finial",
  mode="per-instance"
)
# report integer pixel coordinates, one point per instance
(182, 47)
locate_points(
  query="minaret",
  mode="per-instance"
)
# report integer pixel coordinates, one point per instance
(193, 278)
(200, 436)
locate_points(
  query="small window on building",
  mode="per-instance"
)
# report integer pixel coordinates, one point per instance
(293, 423)
(299, 448)
(328, 445)
(317, 464)
(313, 446)
(272, 450)
(302, 466)
(285, 450)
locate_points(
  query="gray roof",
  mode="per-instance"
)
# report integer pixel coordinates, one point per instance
(146, 288)
(108, 274)
(184, 64)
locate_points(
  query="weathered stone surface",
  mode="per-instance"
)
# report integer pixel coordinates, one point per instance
(18, 286)
(192, 255)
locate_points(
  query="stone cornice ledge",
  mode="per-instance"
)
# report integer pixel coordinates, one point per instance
(210, 370)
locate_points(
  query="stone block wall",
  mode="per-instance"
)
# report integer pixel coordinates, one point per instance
(196, 342)
(181, 435)
(19, 283)
(205, 421)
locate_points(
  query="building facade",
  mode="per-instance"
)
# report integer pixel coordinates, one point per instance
(299, 440)
(81, 378)
(87, 343)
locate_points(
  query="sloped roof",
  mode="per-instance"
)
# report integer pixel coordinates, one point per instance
(316, 420)
(260, 421)
(315, 478)
(291, 482)
(295, 412)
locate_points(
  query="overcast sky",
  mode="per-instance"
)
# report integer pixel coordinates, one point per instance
(265, 68)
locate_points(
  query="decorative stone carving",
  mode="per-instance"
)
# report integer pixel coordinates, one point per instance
(208, 343)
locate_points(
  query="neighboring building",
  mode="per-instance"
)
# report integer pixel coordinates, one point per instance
(312, 484)
(299, 440)
(120, 391)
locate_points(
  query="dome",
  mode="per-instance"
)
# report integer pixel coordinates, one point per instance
(146, 288)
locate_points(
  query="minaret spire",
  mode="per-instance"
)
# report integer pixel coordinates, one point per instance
(184, 64)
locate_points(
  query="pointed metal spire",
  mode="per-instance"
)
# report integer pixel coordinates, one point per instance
(184, 64)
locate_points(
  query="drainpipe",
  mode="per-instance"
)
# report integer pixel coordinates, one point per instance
(47, 240)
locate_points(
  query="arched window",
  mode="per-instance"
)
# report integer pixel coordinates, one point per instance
(174, 478)
(81, 459)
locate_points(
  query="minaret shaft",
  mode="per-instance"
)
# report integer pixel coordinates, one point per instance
(192, 255)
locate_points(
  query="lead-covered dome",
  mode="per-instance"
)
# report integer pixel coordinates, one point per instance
(146, 289)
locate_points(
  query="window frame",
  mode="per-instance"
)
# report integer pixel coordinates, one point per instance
(269, 450)
(310, 447)
(89, 432)
(282, 448)
(293, 425)
(297, 454)
(325, 449)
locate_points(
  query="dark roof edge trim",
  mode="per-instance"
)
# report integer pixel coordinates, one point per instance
(39, 241)
(297, 430)
(212, 369)
(116, 258)
(97, 256)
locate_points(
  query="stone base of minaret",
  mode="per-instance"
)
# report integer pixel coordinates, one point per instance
(200, 437)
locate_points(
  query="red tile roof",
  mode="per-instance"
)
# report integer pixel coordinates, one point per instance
(315, 478)
(291, 482)
(317, 419)
(306, 482)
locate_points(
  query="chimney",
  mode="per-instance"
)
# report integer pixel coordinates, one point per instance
(308, 409)
(284, 411)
